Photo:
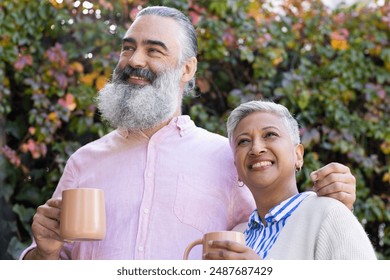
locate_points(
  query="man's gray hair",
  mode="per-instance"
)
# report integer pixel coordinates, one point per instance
(188, 37)
(250, 107)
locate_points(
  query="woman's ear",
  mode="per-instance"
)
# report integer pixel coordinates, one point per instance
(189, 69)
(299, 152)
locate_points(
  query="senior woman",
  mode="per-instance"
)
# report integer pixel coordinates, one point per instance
(287, 224)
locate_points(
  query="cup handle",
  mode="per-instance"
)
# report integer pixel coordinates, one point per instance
(190, 246)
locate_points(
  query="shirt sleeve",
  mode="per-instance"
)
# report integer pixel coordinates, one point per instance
(67, 181)
(242, 205)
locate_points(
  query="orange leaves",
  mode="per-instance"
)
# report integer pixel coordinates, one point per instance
(88, 79)
(22, 61)
(54, 119)
(385, 147)
(254, 11)
(276, 56)
(386, 177)
(96, 78)
(276, 61)
(57, 4)
(36, 149)
(339, 39)
(75, 67)
(68, 102)
(32, 130)
(203, 85)
(53, 116)
(339, 44)
(100, 82)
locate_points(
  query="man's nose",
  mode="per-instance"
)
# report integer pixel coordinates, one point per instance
(137, 60)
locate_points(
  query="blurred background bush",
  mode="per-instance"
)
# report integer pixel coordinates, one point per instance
(330, 67)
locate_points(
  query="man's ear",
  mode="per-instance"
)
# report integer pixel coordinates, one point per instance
(189, 69)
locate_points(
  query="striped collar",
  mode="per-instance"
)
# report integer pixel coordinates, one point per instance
(261, 238)
(281, 211)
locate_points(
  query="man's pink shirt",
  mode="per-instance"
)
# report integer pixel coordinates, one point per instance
(160, 193)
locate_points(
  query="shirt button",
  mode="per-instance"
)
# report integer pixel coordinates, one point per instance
(140, 248)
(149, 174)
(146, 210)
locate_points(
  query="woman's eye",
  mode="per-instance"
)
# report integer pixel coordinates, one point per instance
(270, 134)
(242, 141)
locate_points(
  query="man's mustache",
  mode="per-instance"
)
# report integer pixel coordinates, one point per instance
(123, 75)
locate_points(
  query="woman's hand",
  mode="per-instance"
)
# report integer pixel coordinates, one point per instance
(230, 250)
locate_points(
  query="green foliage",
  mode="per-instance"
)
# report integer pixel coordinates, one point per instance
(330, 68)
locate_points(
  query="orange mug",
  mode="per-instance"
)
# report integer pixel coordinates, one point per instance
(217, 235)
(83, 215)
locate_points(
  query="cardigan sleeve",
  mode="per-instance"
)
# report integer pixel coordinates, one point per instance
(342, 237)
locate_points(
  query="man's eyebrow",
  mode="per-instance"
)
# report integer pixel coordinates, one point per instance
(146, 42)
(156, 42)
(128, 40)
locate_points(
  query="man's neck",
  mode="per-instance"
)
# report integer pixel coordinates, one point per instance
(149, 132)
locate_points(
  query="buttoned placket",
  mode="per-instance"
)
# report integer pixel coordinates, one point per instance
(147, 201)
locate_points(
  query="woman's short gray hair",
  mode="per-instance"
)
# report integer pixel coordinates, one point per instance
(188, 37)
(250, 107)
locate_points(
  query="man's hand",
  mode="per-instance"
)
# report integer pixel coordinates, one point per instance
(46, 231)
(335, 180)
(230, 250)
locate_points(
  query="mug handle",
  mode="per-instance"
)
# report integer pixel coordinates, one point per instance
(190, 246)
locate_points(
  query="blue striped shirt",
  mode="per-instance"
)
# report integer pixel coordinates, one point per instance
(261, 238)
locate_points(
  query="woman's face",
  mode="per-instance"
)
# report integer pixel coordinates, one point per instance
(264, 153)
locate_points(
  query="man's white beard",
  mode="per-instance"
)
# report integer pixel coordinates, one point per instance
(134, 107)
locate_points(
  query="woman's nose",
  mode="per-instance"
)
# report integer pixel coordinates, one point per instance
(257, 149)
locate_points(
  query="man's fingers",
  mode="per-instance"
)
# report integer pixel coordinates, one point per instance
(51, 209)
(334, 187)
(337, 180)
(328, 169)
(340, 191)
(48, 220)
(55, 202)
(44, 228)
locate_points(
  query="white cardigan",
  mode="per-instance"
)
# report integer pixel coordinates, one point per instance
(321, 228)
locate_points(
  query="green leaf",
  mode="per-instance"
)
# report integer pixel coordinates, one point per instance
(25, 214)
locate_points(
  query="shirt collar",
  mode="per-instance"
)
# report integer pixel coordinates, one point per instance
(280, 211)
(254, 220)
(183, 124)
